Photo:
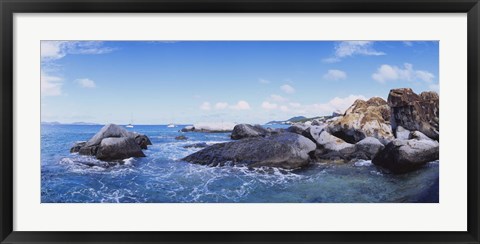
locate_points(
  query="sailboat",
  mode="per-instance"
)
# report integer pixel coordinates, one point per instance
(171, 125)
(131, 122)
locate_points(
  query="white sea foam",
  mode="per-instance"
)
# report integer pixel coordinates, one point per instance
(129, 161)
(365, 163)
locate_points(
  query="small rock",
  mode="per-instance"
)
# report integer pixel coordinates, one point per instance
(182, 137)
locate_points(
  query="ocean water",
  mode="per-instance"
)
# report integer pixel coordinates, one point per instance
(162, 177)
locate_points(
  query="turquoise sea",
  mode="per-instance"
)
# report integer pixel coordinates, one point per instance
(162, 177)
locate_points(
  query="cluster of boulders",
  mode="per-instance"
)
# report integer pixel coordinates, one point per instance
(400, 135)
(112, 143)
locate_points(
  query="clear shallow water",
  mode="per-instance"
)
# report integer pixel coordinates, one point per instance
(161, 177)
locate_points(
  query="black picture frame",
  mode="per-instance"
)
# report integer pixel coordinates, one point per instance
(9, 7)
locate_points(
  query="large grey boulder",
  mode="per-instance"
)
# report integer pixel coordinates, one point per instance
(418, 136)
(116, 148)
(109, 130)
(368, 148)
(332, 148)
(241, 131)
(402, 156)
(298, 128)
(110, 138)
(306, 130)
(284, 150)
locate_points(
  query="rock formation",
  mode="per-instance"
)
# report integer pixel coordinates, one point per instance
(113, 142)
(364, 119)
(284, 150)
(415, 112)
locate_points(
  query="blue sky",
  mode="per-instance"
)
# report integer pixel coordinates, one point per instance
(214, 81)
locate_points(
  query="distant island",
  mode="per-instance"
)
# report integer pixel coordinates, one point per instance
(302, 119)
(74, 123)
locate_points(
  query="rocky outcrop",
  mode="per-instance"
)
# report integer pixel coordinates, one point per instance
(241, 131)
(364, 119)
(302, 129)
(117, 148)
(113, 142)
(298, 128)
(142, 140)
(76, 147)
(284, 150)
(188, 128)
(402, 156)
(415, 112)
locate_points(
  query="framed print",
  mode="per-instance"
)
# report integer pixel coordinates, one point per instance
(264, 121)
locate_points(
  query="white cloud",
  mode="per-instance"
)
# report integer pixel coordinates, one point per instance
(50, 85)
(221, 105)
(352, 48)
(86, 83)
(205, 106)
(278, 98)
(268, 105)
(388, 72)
(295, 105)
(52, 50)
(336, 104)
(263, 81)
(424, 75)
(335, 74)
(287, 89)
(241, 105)
(317, 109)
(331, 60)
(284, 108)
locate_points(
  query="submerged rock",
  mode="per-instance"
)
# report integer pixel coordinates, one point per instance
(402, 156)
(284, 150)
(113, 142)
(415, 112)
(182, 137)
(196, 145)
(364, 119)
(241, 131)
